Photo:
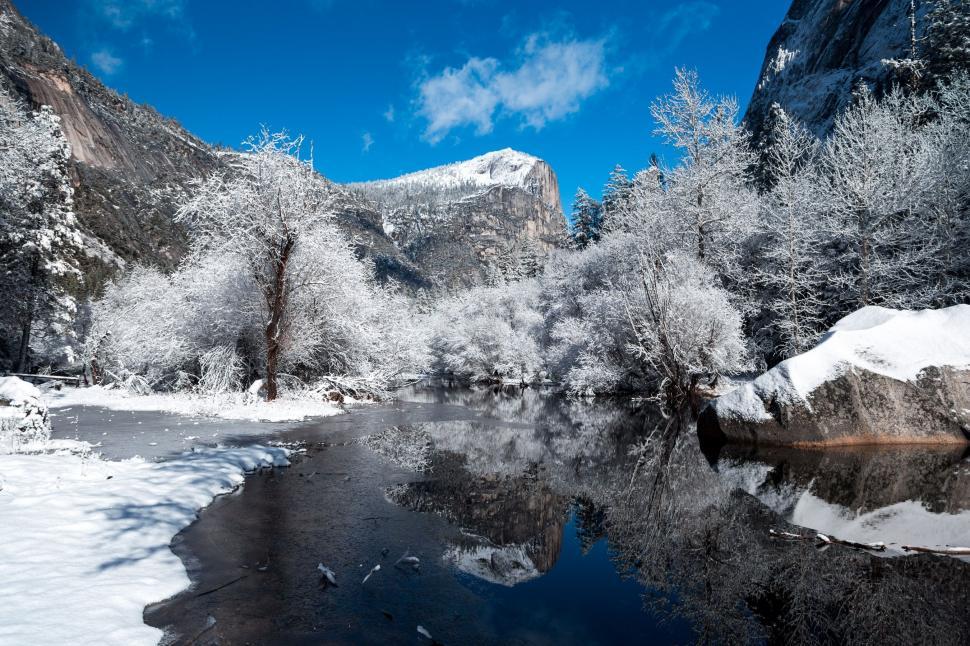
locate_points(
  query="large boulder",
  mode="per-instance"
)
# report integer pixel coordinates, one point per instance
(23, 416)
(879, 376)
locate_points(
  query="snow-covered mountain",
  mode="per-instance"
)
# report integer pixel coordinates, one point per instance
(822, 49)
(463, 222)
(504, 167)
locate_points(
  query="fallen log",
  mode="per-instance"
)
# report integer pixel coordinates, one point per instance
(949, 551)
(832, 540)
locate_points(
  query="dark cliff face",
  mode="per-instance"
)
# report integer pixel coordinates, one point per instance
(819, 53)
(130, 164)
(132, 167)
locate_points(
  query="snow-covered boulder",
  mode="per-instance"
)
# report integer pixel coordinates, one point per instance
(23, 415)
(878, 376)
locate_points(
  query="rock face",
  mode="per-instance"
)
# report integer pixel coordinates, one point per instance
(879, 376)
(132, 166)
(821, 50)
(500, 212)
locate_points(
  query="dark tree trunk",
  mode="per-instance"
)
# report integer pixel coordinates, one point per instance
(25, 342)
(274, 330)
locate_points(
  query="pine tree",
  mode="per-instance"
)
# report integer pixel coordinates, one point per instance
(587, 220)
(39, 235)
(616, 194)
(794, 271)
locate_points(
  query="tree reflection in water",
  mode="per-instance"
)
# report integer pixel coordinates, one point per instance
(693, 529)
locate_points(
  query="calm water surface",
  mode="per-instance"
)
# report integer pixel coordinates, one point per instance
(538, 520)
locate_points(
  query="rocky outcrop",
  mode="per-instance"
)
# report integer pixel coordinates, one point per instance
(879, 376)
(500, 212)
(132, 166)
(821, 50)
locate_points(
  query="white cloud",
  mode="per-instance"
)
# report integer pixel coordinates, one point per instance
(366, 140)
(547, 82)
(106, 62)
(389, 113)
(122, 14)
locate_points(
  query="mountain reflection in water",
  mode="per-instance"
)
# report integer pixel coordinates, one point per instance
(568, 521)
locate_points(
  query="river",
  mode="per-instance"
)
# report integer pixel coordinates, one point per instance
(539, 520)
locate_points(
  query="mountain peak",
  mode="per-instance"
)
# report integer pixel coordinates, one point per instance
(505, 167)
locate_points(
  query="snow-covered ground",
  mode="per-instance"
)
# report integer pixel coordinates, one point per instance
(85, 542)
(895, 343)
(233, 407)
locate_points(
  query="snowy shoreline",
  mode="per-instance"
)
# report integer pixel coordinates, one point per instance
(86, 545)
(230, 406)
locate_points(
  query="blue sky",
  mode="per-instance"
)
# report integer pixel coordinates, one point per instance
(384, 88)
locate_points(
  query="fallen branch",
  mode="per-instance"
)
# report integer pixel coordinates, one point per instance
(825, 539)
(832, 540)
(220, 587)
(788, 536)
(949, 551)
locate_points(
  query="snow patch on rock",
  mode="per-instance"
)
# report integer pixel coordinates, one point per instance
(898, 344)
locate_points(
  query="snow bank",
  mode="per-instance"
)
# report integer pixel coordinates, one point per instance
(895, 343)
(226, 407)
(85, 542)
(23, 416)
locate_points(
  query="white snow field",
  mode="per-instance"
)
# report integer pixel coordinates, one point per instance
(226, 406)
(85, 541)
(896, 343)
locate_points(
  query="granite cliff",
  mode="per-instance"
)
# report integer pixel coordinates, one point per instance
(822, 49)
(463, 222)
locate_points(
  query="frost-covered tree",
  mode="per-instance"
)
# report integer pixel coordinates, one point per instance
(794, 269)
(616, 193)
(587, 220)
(489, 333)
(875, 170)
(714, 206)
(686, 329)
(39, 235)
(275, 213)
(948, 205)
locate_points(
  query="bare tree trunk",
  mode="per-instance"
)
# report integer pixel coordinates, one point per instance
(274, 330)
(25, 342)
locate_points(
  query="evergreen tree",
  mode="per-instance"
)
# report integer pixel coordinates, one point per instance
(39, 235)
(587, 220)
(793, 271)
(616, 194)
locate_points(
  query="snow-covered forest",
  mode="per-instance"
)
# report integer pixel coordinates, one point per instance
(739, 256)
(734, 257)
